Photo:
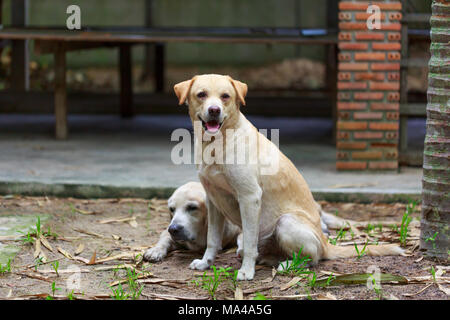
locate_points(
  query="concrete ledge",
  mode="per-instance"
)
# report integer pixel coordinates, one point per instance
(85, 191)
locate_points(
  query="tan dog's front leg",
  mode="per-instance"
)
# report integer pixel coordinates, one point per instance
(250, 207)
(216, 222)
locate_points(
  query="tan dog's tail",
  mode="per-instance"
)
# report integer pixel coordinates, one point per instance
(336, 252)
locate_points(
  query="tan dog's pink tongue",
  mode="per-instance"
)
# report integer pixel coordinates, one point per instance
(212, 126)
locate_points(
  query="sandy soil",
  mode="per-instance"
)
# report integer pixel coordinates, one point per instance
(82, 223)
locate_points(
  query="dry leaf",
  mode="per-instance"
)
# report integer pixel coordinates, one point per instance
(46, 243)
(238, 294)
(420, 291)
(443, 289)
(327, 296)
(291, 283)
(92, 260)
(79, 249)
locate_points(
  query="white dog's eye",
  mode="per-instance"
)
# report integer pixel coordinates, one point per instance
(191, 207)
(225, 96)
(172, 209)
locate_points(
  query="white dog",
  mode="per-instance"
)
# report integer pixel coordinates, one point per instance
(188, 226)
(276, 212)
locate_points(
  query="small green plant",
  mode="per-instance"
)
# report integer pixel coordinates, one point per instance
(54, 289)
(433, 273)
(211, 283)
(298, 265)
(370, 228)
(70, 296)
(361, 253)
(312, 280)
(340, 235)
(406, 220)
(330, 278)
(432, 239)
(119, 293)
(6, 268)
(37, 262)
(133, 286)
(55, 266)
(260, 296)
(376, 287)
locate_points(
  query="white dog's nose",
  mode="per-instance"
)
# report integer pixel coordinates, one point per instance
(175, 229)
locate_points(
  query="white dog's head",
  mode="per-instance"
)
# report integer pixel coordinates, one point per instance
(188, 212)
(212, 99)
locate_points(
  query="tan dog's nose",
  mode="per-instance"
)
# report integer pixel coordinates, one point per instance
(214, 111)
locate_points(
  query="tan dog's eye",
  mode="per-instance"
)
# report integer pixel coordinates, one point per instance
(201, 95)
(225, 96)
(191, 207)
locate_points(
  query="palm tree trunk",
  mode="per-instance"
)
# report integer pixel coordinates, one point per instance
(435, 224)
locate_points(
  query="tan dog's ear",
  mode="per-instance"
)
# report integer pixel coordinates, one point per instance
(182, 90)
(241, 89)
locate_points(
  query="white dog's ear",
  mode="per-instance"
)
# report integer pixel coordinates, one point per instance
(182, 90)
(241, 89)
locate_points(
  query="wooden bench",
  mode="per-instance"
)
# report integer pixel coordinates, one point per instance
(59, 41)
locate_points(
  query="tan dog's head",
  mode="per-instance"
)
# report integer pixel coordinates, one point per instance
(212, 99)
(188, 212)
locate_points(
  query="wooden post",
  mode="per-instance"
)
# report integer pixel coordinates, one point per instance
(61, 130)
(19, 57)
(126, 81)
(159, 67)
(149, 55)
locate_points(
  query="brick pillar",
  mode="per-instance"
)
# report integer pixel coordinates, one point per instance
(368, 87)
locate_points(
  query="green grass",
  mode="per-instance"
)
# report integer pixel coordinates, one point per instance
(298, 265)
(406, 220)
(361, 253)
(6, 268)
(211, 283)
(432, 239)
(340, 235)
(119, 293)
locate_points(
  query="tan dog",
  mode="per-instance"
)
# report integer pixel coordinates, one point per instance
(276, 211)
(188, 224)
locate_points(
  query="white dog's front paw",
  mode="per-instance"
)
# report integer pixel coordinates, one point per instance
(199, 264)
(245, 274)
(154, 254)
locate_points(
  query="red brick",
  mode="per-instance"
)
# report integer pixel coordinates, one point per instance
(394, 56)
(345, 16)
(392, 135)
(368, 135)
(394, 76)
(367, 155)
(394, 36)
(343, 135)
(386, 46)
(350, 125)
(344, 56)
(383, 125)
(395, 16)
(390, 86)
(362, 6)
(369, 36)
(392, 115)
(382, 165)
(344, 76)
(379, 56)
(351, 165)
(384, 106)
(364, 16)
(393, 96)
(385, 66)
(383, 145)
(351, 85)
(352, 26)
(378, 76)
(351, 105)
(353, 46)
(352, 66)
(391, 26)
(344, 36)
(351, 145)
(367, 115)
(368, 95)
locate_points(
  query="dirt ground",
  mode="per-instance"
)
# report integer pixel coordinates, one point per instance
(98, 238)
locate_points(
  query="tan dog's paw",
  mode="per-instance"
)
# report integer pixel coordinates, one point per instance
(245, 274)
(199, 264)
(154, 254)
